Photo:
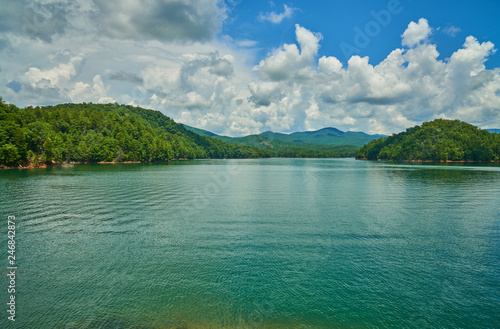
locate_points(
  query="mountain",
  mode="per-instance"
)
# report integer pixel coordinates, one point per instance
(493, 130)
(282, 148)
(438, 140)
(199, 131)
(325, 136)
(49, 135)
(102, 133)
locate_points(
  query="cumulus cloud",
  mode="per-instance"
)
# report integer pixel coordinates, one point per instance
(275, 18)
(222, 67)
(264, 93)
(329, 65)
(210, 84)
(59, 84)
(35, 19)
(416, 33)
(162, 20)
(410, 86)
(95, 92)
(53, 77)
(172, 20)
(46, 20)
(290, 59)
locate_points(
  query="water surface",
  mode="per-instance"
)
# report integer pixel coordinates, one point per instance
(268, 243)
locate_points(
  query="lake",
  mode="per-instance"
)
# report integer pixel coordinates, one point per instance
(265, 243)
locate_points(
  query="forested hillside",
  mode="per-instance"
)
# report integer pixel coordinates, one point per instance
(282, 148)
(326, 136)
(438, 140)
(102, 132)
(302, 139)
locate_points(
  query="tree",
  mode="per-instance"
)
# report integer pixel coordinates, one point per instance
(48, 147)
(9, 155)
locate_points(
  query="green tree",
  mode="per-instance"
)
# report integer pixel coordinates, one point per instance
(9, 155)
(48, 147)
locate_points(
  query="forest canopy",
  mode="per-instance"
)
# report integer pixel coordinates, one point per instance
(102, 132)
(438, 140)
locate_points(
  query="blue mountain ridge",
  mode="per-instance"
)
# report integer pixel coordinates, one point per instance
(324, 136)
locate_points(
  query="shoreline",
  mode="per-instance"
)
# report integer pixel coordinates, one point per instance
(431, 161)
(72, 163)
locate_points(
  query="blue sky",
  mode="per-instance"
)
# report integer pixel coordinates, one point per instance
(336, 21)
(239, 67)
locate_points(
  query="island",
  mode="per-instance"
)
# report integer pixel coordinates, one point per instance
(440, 140)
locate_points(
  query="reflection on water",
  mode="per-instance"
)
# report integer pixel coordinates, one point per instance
(269, 243)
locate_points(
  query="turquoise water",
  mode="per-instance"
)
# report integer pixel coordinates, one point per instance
(268, 243)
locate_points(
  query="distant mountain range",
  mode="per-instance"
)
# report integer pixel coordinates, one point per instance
(326, 136)
(493, 130)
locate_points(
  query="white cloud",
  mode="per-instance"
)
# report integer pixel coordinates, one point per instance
(289, 60)
(36, 19)
(210, 84)
(173, 20)
(52, 77)
(452, 31)
(265, 93)
(308, 41)
(416, 33)
(329, 65)
(84, 92)
(247, 43)
(410, 86)
(275, 18)
(162, 20)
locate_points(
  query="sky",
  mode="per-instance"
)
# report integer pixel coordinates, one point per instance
(239, 67)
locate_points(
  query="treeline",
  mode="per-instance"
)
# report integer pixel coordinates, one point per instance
(286, 149)
(315, 151)
(102, 132)
(117, 133)
(438, 140)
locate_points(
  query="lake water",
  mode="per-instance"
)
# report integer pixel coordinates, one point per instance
(266, 243)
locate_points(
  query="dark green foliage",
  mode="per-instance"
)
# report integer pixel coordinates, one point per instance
(103, 132)
(438, 140)
(325, 136)
(281, 148)
(285, 149)
(341, 151)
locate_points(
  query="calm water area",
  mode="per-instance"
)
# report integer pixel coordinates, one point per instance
(264, 243)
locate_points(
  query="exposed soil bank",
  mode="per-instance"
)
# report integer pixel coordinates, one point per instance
(432, 161)
(72, 163)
